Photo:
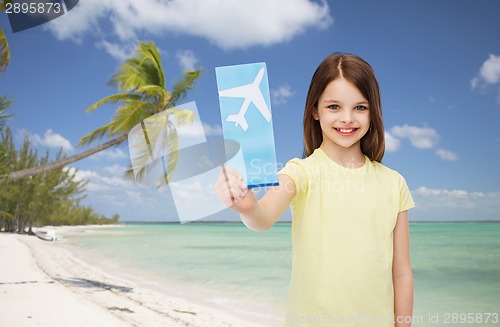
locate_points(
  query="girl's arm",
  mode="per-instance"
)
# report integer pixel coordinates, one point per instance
(257, 215)
(402, 275)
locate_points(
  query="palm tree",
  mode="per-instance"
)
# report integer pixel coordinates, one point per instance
(142, 94)
(4, 105)
(4, 46)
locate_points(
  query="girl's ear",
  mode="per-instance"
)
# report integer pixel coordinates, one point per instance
(315, 113)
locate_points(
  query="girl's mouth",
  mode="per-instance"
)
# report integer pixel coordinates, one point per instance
(346, 131)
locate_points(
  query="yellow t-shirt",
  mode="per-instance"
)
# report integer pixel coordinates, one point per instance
(342, 233)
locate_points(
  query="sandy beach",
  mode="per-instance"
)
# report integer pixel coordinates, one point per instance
(44, 284)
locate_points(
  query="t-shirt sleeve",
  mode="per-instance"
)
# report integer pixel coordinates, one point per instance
(295, 170)
(405, 198)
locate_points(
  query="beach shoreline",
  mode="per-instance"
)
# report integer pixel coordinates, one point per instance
(67, 287)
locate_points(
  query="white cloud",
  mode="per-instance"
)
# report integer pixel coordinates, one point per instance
(115, 170)
(82, 174)
(391, 143)
(228, 24)
(92, 177)
(190, 191)
(118, 51)
(135, 197)
(462, 204)
(101, 182)
(474, 83)
(212, 130)
(187, 59)
(194, 130)
(116, 181)
(489, 75)
(52, 140)
(420, 137)
(109, 155)
(489, 72)
(108, 192)
(424, 191)
(280, 95)
(446, 155)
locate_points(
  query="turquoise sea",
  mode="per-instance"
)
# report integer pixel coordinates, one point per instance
(456, 266)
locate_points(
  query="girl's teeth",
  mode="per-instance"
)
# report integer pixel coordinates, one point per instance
(346, 130)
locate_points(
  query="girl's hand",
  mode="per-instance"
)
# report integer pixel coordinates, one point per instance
(231, 191)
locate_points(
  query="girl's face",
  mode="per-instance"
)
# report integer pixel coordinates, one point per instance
(343, 114)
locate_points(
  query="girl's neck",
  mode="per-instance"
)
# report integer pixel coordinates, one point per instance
(351, 157)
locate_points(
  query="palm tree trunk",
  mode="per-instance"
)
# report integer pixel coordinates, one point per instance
(56, 164)
(30, 227)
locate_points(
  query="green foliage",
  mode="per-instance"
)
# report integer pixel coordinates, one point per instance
(161, 128)
(71, 214)
(141, 83)
(182, 86)
(49, 198)
(4, 45)
(4, 104)
(4, 52)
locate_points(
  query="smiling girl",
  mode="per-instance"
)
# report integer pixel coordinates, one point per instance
(350, 260)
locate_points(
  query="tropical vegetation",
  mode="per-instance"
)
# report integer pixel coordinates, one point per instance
(4, 45)
(143, 93)
(37, 191)
(50, 198)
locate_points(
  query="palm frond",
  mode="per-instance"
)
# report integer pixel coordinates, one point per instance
(151, 90)
(4, 51)
(144, 152)
(156, 168)
(155, 128)
(145, 68)
(151, 63)
(182, 86)
(127, 116)
(6, 215)
(139, 148)
(95, 135)
(115, 98)
(129, 77)
(173, 153)
(180, 117)
(4, 104)
(2, 4)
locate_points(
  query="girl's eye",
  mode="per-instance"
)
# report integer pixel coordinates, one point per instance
(334, 107)
(360, 108)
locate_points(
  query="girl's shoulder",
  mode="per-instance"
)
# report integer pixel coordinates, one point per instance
(385, 171)
(311, 160)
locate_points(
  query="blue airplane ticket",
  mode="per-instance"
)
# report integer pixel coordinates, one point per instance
(245, 108)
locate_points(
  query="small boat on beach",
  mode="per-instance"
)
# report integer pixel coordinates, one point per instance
(47, 234)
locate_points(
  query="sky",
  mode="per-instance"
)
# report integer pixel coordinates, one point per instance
(437, 62)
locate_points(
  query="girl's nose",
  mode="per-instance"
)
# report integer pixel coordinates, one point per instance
(347, 117)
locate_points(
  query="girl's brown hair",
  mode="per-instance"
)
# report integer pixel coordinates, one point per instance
(360, 73)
